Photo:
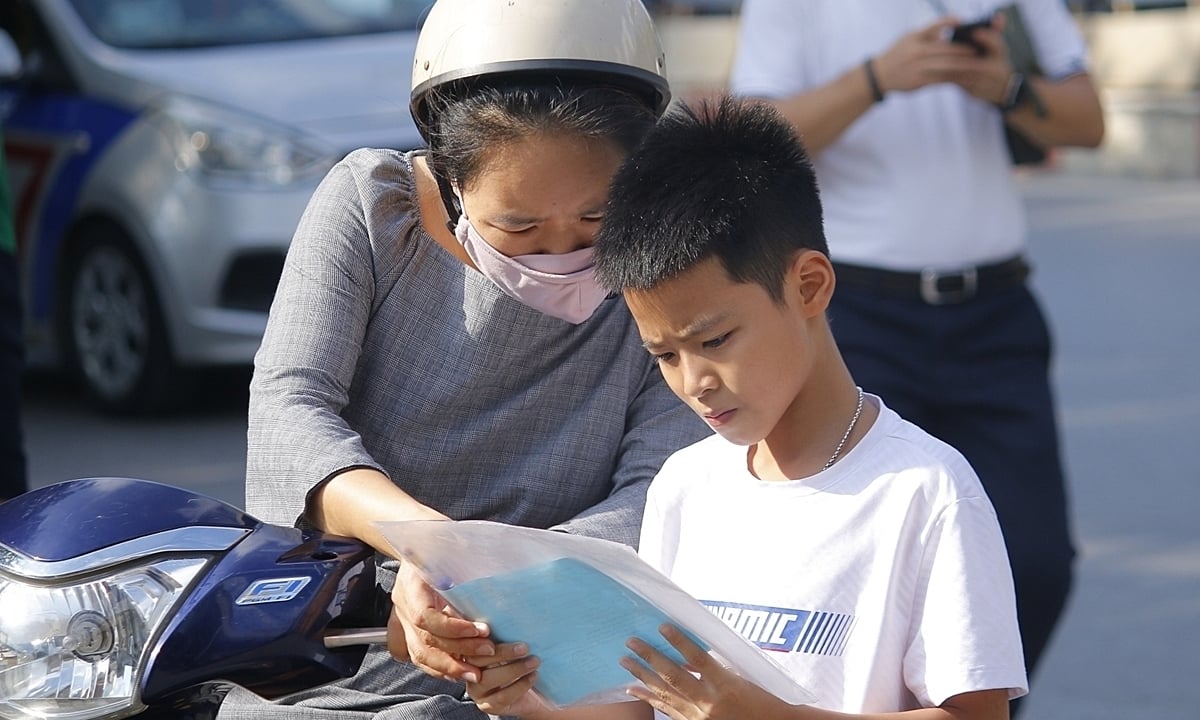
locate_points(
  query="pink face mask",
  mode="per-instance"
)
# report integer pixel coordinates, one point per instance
(562, 286)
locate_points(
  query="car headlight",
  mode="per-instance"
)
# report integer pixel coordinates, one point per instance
(238, 148)
(76, 650)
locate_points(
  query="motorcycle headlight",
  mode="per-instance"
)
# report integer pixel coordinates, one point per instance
(75, 650)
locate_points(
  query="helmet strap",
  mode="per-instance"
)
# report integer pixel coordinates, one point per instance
(449, 200)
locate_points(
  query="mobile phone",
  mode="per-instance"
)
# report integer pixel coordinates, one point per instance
(965, 33)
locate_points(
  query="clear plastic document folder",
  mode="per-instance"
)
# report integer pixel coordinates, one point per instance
(575, 601)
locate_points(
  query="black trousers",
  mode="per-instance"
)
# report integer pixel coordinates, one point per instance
(12, 441)
(976, 375)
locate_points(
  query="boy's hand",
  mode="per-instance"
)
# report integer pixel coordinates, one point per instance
(704, 690)
(422, 631)
(506, 683)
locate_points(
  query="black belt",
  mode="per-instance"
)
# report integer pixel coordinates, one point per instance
(936, 287)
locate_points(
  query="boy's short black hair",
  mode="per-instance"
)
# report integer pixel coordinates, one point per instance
(729, 179)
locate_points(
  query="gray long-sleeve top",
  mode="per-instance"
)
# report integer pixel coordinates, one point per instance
(385, 351)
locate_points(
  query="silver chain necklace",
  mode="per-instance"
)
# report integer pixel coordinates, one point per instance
(853, 421)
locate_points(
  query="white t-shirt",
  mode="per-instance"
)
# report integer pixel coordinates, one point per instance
(923, 179)
(881, 584)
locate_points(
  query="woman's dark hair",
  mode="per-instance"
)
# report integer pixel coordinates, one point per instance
(466, 124)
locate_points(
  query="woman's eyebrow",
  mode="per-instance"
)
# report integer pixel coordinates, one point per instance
(514, 219)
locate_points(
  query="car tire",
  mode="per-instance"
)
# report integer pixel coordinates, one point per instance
(111, 328)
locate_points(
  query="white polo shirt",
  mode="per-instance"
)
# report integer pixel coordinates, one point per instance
(923, 179)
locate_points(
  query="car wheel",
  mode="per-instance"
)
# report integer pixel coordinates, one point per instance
(111, 328)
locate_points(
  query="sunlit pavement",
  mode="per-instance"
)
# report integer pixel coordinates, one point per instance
(1117, 264)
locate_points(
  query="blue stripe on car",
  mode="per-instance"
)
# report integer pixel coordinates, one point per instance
(97, 124)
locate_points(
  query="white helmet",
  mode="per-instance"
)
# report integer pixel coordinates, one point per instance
(612, 41)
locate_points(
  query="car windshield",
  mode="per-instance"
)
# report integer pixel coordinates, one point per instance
(155, 24)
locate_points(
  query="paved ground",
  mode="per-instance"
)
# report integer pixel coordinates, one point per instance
(1117, 264)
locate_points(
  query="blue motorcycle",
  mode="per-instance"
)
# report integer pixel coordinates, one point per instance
(123, 597)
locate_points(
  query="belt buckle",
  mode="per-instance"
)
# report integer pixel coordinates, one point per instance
(933, 294)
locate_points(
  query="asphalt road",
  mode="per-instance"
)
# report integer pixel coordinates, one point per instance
(203, 449)
(1116, 264)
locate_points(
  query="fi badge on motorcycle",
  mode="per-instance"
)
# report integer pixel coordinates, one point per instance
(272, 590)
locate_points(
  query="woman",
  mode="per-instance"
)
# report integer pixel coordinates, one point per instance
(438, 346)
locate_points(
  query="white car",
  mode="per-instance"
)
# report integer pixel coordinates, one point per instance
(160, 154)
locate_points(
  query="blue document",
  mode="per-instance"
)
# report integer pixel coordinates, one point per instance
(574, 618)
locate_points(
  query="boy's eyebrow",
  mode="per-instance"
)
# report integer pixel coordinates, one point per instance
(700, 326)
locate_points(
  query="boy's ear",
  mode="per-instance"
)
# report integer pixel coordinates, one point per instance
(811, 277)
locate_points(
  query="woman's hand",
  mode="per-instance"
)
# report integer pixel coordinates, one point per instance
(423, 630)
(703, 690)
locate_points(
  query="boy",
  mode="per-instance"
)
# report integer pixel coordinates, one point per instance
(817, 522)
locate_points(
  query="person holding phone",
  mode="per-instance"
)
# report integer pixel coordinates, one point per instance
(927, 231)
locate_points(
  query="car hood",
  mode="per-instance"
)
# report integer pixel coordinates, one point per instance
(349, 92)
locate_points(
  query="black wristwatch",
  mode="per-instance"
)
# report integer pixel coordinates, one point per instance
(1019, 93)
